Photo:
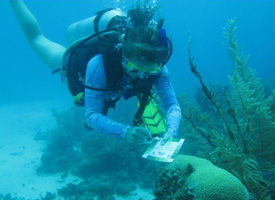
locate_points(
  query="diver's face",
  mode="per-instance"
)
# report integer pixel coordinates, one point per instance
(141, 69)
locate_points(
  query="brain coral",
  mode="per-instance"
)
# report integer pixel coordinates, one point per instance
(208, 181)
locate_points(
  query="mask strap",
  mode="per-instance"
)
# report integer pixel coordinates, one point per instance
(163, 37)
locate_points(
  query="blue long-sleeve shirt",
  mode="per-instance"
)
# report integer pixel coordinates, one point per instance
(94, 100)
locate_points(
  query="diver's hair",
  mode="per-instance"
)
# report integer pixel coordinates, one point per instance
(143, 43)
(142, 13)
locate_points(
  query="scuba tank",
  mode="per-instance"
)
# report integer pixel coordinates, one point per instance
(88, 37)
(101, 21)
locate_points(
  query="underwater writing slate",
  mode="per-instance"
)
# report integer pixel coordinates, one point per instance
(163, 153)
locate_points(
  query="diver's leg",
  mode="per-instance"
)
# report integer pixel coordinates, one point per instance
(50, 52)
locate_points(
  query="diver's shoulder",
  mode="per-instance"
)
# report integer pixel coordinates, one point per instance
(96, 58)
(164, 71)
(95, 61)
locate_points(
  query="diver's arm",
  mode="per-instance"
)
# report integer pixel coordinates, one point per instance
(94, 101)
(102, 123)
(50, 52)
(169, 100)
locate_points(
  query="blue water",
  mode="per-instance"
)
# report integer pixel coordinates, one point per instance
(23, 77)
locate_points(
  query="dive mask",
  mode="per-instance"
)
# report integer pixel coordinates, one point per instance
(142, 70)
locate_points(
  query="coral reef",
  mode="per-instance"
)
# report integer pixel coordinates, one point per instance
(237, 131)
(107, 165)
(190, 177)
(171, 184)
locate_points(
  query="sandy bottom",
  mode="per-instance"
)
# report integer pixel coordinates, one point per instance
(20, 153)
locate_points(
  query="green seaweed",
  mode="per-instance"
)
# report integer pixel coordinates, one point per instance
(239, 128)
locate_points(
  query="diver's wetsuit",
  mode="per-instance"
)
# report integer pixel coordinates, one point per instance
(94, 100)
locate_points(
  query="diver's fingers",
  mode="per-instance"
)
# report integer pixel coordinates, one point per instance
(145, 132)
(137, 139)
(165, 139)
(138, 136)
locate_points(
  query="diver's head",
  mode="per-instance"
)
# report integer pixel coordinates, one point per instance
(145, 45)
(143, 51)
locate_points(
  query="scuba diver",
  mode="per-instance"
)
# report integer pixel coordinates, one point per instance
(112, 55)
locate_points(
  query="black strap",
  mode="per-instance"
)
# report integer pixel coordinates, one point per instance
(56, 70)
(170, 52)
(109, 103)
(100, 89)
(98, 16)
(143, 102)
(113, 68)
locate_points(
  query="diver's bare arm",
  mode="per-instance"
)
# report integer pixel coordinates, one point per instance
(50, 52)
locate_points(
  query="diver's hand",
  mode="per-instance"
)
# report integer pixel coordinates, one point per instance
(138, 135)
(167, 136)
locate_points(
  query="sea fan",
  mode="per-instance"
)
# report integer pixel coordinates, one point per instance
(242, 131)
(253, 111)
